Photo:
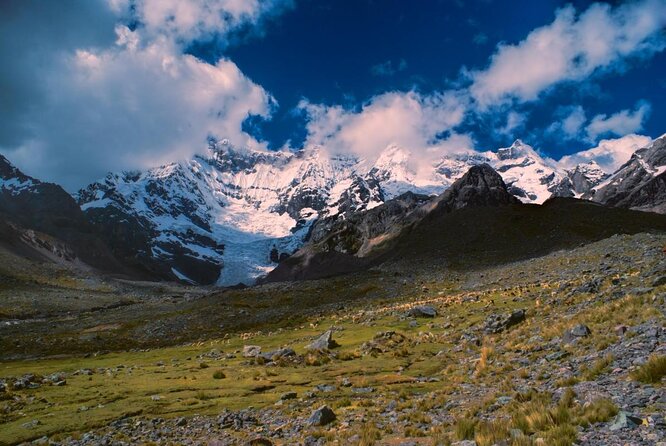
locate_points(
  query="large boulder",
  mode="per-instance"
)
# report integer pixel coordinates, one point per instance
(323, 342)
(497, 323)
(574, 334)
(422, 311)
(321, 417)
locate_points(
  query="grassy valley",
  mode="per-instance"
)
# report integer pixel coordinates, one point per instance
(465, 374)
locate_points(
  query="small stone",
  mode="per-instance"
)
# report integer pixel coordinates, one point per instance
(363, 389)
(181, 422)
(31, 424)
(325, 388)
(321, 417)
(288, 396)
(422, 311)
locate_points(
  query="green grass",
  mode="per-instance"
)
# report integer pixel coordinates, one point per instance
(186, 385)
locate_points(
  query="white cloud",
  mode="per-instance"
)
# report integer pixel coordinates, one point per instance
(133, 103)
(137, 106)
(620, 123)
(571, 123)
(184, 21)
(610, 154)
(406, 119)
(571, 48)
(514, 122)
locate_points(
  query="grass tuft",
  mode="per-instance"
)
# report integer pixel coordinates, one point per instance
(652, 371)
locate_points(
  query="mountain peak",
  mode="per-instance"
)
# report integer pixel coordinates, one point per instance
(480, 186)
(517, 150)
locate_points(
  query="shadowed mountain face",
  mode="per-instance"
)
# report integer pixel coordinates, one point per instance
(475, 223)
(41, 220)
(638, 184)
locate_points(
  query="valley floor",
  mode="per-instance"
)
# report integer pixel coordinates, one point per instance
(166, 365)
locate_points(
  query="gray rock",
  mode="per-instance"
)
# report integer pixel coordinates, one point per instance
(498, 323)
(363, 389)
(323, 342)
(278, 354)
(625, 421)
(321, 417)
(659, 281)
(251, 351)
(422, 311)
(325, 388)
(575, 333)
(288, 396)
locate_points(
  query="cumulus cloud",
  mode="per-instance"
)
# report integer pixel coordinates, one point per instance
(610, 154)
(514, 122)
(620, 123)
(571, 123)
(110, 98)
(406, 119)
(185, 21)
(571, 48)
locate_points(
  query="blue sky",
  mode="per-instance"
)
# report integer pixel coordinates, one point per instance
(345, 52)
(120, 84)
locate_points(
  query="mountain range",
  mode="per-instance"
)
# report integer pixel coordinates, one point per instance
(230, 215)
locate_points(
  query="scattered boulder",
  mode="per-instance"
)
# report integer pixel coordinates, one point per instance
(321, 417)
(625, 421)
(277, 354)
(497, 323)
(383, 342)
(591, 287)
(251, 351)
(574, 334)
(288, 396)
(323, 342)
(181, 422)
(422, 311)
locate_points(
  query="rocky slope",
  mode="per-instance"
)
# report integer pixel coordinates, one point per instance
(491, 227)
(569, 348)
(42, 221)
(639, 184)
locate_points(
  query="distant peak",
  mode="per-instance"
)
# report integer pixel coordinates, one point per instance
(516, 150)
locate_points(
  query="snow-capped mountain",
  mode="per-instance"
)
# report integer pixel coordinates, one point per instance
(231, 214)
(580, 180)
(638, 184)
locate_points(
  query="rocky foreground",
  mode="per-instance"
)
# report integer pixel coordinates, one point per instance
(566, 349)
